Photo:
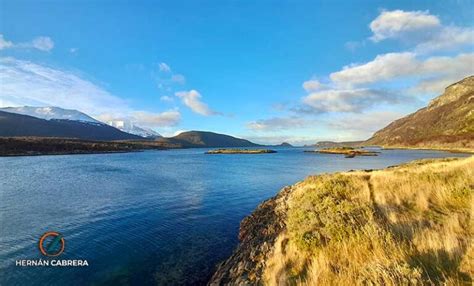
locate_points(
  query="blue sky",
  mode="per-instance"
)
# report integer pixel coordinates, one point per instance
(271, 71)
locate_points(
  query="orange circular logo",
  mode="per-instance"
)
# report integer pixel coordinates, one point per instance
(51, 243)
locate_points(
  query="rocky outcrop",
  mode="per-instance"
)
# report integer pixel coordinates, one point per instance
(258, 233)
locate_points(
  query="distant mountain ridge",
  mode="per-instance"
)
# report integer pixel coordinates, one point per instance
(58, 113)
(51, 112)
(204, 139)
(14, 125)
(448, 121)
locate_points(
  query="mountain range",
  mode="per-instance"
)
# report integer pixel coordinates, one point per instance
(65, 123)
(15, 125)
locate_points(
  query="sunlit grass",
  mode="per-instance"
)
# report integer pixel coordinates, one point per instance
(407, 225)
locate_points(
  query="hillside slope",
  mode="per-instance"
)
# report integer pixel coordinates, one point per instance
(406, 225)
(448, 121)
(12, 124)
(195, 139)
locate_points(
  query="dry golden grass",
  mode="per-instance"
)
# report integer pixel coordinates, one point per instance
(407, 225)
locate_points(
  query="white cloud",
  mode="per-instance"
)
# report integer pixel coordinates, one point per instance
(311, 85)
(4, 44)
(439, 72)
(401, 65)
(277, 123)
(348, 100)
(383, 67)
(144, 119)
(27, 83)
(43, 44)
(447, 38)
(365, 124)
(166, 118)
(192, 99)
(422, 29)
(164, 67)
(351, 91)
(394, 24)
(73, 50)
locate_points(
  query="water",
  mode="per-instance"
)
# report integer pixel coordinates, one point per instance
(155, 217)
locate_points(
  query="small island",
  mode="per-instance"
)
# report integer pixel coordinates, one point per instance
(350, 152)
(240, 151)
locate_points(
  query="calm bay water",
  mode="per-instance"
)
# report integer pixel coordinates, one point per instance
(155, 217)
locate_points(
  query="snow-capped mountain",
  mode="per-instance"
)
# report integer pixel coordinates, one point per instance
(51, 112)
(129, 127)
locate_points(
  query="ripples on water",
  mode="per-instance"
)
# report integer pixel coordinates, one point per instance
(156, 217)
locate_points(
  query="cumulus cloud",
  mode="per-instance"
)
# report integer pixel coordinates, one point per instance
(311, 85)
(397, 23)
(439, 72)
(348, 100)
(447, 38)
(351, 89)
(277, 123)
(145, 119)
(422, 29)
(192, 99)
(383, 67)
(400, 65)
(166, 118)
(365, 124)
(27, 83)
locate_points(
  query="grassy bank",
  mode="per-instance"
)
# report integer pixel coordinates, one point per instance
(241, 151)
(406, 225)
